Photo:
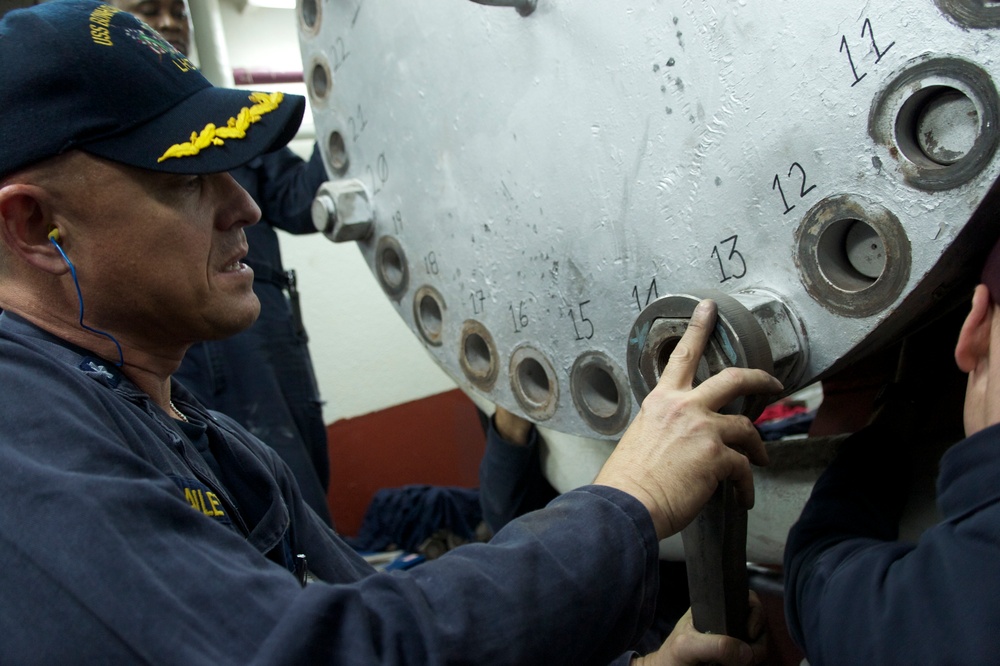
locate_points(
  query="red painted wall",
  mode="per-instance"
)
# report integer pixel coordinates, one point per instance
(436, 440)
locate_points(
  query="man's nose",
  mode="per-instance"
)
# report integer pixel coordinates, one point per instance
(165, 20)
(240, 209)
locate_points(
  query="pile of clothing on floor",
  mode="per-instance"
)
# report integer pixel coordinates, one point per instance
(419, 522)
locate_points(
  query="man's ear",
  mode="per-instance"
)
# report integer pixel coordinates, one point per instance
(974, 339)
(25, 224)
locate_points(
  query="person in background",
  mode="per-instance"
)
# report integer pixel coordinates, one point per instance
(262, 377)
(855, 592)
(511, 480)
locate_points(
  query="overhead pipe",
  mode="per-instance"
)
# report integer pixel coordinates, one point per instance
(210, 39)
(244, 76)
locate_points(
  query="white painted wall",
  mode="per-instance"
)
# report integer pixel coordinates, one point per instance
(366, 358)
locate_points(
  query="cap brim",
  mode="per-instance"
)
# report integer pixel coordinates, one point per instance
(181, 141)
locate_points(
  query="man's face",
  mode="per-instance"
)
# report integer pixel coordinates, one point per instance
(158, 255)
(170, 18)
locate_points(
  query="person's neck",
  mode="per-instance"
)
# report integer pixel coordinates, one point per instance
(146, 367)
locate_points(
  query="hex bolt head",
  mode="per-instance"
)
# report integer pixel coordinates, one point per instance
(342, 211)
(324, 213)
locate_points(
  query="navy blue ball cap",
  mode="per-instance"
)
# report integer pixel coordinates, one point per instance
(82, 75)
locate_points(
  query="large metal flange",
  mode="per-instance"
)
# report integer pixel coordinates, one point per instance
(737, 341)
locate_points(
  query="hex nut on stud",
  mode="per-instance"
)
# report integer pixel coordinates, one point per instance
(342, 210)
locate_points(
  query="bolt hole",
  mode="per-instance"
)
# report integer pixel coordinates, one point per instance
(477, 355)
(430, 317)
(391, 266)
(533, 381)
(599, 392)
(663, 354)
(850, 255)
(338, 153)
(320, 80)
(937, 126)
(865, 251)
(663, 358)
(310, 13)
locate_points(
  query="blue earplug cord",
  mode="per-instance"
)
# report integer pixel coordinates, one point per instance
(54, 239)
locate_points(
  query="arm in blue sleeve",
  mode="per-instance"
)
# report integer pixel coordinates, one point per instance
(105, 561)
(855, 595)
(288, 186)
(107, 557)
(127, 572)
(854, 506)
(511, 481)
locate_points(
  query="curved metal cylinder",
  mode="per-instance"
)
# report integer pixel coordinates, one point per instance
(817, 153)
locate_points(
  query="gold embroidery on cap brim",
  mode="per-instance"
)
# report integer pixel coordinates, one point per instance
(236, 128)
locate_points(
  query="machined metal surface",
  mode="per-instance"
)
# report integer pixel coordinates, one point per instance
(550, 173)
(854, 256)
(738, 340)
(940, 115)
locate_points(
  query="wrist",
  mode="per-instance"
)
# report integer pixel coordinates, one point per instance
(512, 428)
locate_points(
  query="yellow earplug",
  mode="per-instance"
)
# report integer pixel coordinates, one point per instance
(54, 235)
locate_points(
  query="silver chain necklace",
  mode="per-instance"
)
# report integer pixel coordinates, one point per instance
(178, 412)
